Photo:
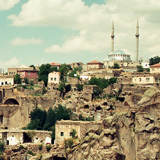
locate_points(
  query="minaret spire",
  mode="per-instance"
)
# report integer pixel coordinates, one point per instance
(112, 37)
(137, 41)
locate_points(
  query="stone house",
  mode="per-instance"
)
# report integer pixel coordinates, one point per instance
(6, 80)
(94, 65)
(28, 74)
(143, 79)
(155, 68)
(65, 127)
(53, 80)
(15, 137)
(55, 64)
(14, 70)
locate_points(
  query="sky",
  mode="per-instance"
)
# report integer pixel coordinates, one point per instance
(65, 31)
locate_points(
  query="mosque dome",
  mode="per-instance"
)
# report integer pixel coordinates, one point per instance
(118, 55)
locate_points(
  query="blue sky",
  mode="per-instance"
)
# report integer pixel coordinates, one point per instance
(65, 31)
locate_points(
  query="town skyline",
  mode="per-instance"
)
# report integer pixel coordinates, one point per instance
(75, 31)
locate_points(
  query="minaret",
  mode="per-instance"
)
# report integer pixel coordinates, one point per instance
(112, 38)
(137, 41)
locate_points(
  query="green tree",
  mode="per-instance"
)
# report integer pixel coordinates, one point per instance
(50, 120)
(17, 79)
(38, 118)
(43, 72)
(61, 88)
(64, 71)
(140, 69)
(62, 113)
(154, 60)
(33, 66)
(26, 81)
(73, 133)
(116, 66)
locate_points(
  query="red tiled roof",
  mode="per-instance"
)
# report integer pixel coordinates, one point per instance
(54, 64)
(155, 65)
(94, 62)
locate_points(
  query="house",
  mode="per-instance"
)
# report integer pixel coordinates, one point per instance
(64, 128)
(55, 64)
(143, 79)
(30, 74)
(53, 79)
(6, 80)
(14, 70)
(94, 65)
(155, 68)
(15, 137)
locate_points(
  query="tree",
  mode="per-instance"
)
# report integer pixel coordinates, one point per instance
(64, 71)
(32, 66)
(154, 60)
(17, 79)
(38, 118)
(50, 120)
(140, 69)
(26, 81)
(116, 66)
(43, 72)
(62, 113)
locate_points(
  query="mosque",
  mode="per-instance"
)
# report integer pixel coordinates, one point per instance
(120, 56)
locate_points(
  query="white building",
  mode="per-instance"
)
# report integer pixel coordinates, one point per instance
(118, 55)
(54, 77)
(155, 68)
(6, 80)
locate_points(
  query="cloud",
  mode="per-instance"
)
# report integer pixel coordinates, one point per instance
(10, 63)
(7, 4)
(21, 41)
(94, 24)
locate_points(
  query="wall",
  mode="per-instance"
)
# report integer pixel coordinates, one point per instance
(143, 80)
(155, 70)
(6, 80)
(54, 77)
(66, 127)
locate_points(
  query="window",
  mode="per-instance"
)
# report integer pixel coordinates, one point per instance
(62, 133)
(51, 79)
(152, 69)
(2, 83)
(140, 79)
(5, 82)
(147, 79)
(54, 79)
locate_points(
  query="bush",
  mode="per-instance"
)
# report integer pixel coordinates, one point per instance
(26, 81)
(31, 153)
(68, 143)
(48, 147)
(73, 133)
(21, 147)
(1, 158)
(2, 147)
(80, 87)
(40, 147)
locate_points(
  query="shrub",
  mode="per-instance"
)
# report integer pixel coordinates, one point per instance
(21, 147)
(48, 147)
(31, 153)
(73, 133)
(68, 143)
(1, 158)
(80, 87)
(2, 147)
(40, 147)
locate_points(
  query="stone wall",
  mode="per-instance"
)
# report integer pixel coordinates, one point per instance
(64, 128)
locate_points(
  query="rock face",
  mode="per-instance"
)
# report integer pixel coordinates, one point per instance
(131, 134)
